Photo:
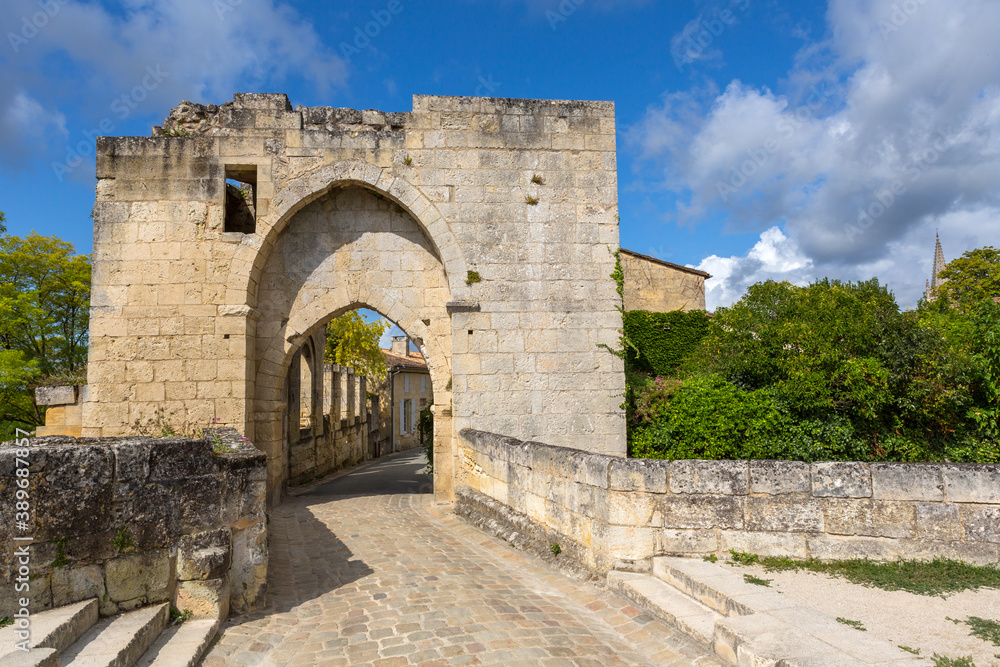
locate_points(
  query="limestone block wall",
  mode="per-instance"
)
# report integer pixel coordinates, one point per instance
(398, 212)
(606, 511)
(132, 522)
(657, 286)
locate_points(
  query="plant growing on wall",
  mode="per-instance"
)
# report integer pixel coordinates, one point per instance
(425, 428)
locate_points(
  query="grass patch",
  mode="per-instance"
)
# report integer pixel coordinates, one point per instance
(530, 201)
(555, 549)
(711, 558)
(982, 628)
(757, 581)
(909, 649)
(178, 616)
(940, 576)
(942, 661)
(857, 625)
(5, 621)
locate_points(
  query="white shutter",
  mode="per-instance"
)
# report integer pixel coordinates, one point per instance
(423, 384)
(413, 415)
(402, 417)
(406, 383)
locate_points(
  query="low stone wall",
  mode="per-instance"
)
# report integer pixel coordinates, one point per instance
(133, 521)
(612, 512)
(341, 444)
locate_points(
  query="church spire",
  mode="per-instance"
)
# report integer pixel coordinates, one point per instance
(939, 265)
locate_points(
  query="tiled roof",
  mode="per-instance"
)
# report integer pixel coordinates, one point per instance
(413, 361)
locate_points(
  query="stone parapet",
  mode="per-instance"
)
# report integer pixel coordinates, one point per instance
(612, 512)
(132, 522)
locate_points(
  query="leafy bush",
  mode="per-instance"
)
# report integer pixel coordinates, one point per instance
(831, 371)
(659, 342)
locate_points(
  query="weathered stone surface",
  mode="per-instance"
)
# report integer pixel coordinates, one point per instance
(972, 483)
(938, 521)
(591, 469)
(646, 475)
(837, 547)
(981, 524)
(55, 395)
(841, 480)
(702, 511)
(783, 514)
(72, 584)
(204, 599)
(794, 545)
(674, 541)
(907, 481)
(135, 576)
(714, 477)
(201, 564)
(869, 517)
(779, 477)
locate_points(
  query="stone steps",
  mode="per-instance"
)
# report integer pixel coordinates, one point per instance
(52, 631)
(74, 636)
(181, 645)
(745, 625)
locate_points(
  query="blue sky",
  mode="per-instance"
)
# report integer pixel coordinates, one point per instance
(753, 135)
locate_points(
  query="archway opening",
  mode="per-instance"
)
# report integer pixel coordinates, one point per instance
(361, 390)
(348, 248)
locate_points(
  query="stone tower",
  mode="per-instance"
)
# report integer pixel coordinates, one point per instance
(935, 282)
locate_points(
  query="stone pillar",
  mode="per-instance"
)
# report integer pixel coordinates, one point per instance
(363, 398)
(351, 404)
(335, 396)
(329, 390)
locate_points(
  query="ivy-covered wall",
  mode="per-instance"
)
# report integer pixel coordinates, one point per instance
(657, 342)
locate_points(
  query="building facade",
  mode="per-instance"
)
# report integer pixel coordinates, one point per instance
(409, 393)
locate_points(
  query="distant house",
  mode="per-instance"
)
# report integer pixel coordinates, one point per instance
(658, 286)
(409, 392)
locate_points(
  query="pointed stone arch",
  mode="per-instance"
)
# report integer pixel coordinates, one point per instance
(293, 195)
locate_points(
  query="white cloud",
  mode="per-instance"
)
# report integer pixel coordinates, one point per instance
(773, 257)
(25, 124)
(893, 116)
(89, 55)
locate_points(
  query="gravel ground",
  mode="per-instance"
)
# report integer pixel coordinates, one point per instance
(918, 621)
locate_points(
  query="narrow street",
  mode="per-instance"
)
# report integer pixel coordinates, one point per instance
(367, 570)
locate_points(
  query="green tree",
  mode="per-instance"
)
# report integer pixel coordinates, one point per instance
(971, 278)
(351, 341)
(44, 317)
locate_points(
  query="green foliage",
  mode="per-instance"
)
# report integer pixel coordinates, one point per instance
(710, 558)
(618, 275)
(60, 559)
(44, 317)
(425, 427)
(555, 549)
(909, 649)
(971, 278)
(943, 661)
(5, 620)
(351, 341)
(941, 576)
(659, 342)
(982, 628)
(757, 581)
(177, 616)
(831, 371)
(530, 201)
(537, 179)
(122, 539)
(857, 625)
(472, 277)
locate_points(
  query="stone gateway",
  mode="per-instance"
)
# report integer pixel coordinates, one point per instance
(482, 227)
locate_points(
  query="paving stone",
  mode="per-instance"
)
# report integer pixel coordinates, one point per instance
(397, 580)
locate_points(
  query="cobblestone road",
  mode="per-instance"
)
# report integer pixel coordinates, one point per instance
(389, 580)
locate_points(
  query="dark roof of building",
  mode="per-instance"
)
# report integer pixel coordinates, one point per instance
(686, 269)
(414, 361)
